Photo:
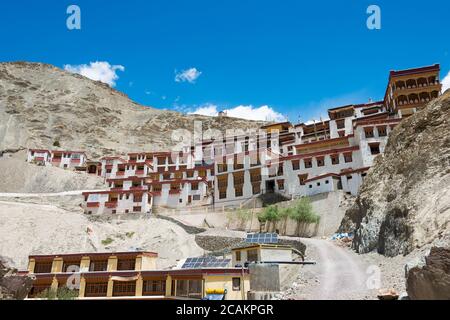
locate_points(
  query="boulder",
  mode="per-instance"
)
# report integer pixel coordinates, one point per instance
(430, 281)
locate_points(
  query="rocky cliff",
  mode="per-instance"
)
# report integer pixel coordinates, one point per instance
(41, 104)
(404, 202)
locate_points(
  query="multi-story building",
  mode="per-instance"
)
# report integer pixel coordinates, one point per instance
(61, 159)
(132, 275)
(292, 160)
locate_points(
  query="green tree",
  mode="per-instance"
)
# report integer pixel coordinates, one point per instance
(285, 214)
(302, 212)
(270, 215)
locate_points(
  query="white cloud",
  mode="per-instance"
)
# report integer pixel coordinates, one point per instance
(98, 71)
(263, 113)
(189, 75)
(446, 82)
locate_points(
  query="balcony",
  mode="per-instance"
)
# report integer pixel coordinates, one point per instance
(138, 188)
(174, 191)
(140, 172)
(111, 204)
(93, 204)
(120, 173)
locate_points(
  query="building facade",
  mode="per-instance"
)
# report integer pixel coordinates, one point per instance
(132, 275)
(291, 160)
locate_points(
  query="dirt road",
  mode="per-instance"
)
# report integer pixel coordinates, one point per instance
(339, 274)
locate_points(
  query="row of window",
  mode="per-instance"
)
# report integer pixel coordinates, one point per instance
(95, 265)
(320, 161)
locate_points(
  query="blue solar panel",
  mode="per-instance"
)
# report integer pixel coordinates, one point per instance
(262, 238)
(205, 262)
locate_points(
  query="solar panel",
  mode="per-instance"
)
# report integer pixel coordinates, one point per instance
(205, 262)
(262, 238)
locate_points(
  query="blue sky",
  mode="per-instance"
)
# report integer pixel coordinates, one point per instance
(296, 58)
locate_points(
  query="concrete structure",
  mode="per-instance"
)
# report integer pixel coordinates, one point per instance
(132, 275)
(61, 159)
(261, 253)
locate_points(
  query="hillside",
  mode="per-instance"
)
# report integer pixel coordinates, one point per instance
(404, 202)
(41, 104)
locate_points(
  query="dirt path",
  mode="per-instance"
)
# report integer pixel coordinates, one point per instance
(339, 274)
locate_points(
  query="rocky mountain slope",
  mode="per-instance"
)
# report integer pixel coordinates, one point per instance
(41, 104)
(405, 200)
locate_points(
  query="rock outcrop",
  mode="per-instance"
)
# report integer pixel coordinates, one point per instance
(13, 286)
(41, 105)
(431, 281)
(404, 202)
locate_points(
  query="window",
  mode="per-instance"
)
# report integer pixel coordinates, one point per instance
(196, 197)
(43, 267)
(96, 289)
(98, 265)
(308, 163)
(252, 255)
(124, 289)
(340, 124)
(190, 174)
(222, 194)
(341, 133)
(310, 186)
(382, 131)
(280, 184)
(194, 186)
(238, 191)
(320, 162)
(126, 264)
(256, 188)
(222, 167)
(374, 148)
(138, 198)
(236, 284)
(318, 184)
(335, 159)
(327, 182)
(302, 178)
(348, 157)
(189, 288)
(296, 165)
(154, 287)
(137, 209)
(238, 255)
(368, 132)
(71, 266)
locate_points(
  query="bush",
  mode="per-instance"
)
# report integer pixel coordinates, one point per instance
(302, 211)
(63, 293)
(56, 143)
(107, 241)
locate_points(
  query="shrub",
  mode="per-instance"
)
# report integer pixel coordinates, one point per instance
(107, 241)
(62, 293)
(56, 143)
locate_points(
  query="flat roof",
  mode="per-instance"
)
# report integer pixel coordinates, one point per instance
(94, 254)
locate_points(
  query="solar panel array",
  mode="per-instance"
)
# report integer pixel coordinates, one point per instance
(262, 238)
(206, 262)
